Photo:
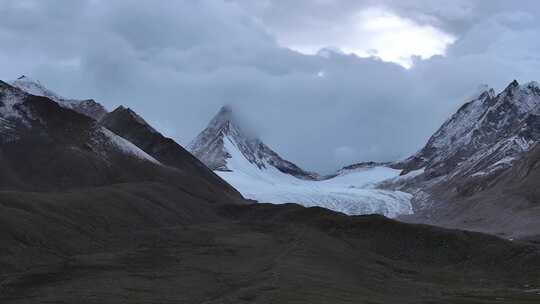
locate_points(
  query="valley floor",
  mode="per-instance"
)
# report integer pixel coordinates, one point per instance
(149, 243)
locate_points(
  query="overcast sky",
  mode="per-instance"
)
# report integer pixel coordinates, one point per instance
(389, 73)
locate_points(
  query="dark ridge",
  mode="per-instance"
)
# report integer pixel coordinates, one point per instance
(128, 124)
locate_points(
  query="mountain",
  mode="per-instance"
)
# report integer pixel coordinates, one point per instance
(470, 153)
(128, 124)
(261, 174)
(47, 147)
(485, 134)
(88, 107)
(209, 147)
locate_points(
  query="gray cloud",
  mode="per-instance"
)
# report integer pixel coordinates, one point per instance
(177, 62)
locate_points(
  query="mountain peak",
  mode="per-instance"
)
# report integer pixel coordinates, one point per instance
(125, 114)
(533, 86)
(514, 83)
(35, 87)
(511, 88)
(28, 79)
(88, 107)
(227, 108)
(223, 117)
(224, 142)
(483, 132)
(528, 87)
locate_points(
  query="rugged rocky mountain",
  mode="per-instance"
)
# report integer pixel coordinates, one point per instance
(128, 124)
(484, 135)
(47, 147)
(464, 161)
(209, 147)
(88, 107)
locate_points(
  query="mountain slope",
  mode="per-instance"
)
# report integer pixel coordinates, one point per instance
(88, 107)
(261, 174)
(464, 162)
(507, 204)
(484, 131)
(46, 147)
(128, 124)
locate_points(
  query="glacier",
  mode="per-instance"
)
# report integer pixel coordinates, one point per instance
(353, 193)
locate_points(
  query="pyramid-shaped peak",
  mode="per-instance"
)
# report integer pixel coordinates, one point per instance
(223, 117)
(123, 109)
(125, 114)
(226, 109)
(226, 112)
(228, 141)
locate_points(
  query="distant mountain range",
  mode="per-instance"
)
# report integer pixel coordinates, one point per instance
(455, 180)
(102, 208)
(474, 147)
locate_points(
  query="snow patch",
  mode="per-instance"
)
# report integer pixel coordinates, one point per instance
(9, 99)
(126, 146)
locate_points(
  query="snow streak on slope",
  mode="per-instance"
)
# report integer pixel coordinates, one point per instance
(353, 193)
(126, 146)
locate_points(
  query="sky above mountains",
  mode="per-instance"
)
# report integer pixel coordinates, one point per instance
(323, 82)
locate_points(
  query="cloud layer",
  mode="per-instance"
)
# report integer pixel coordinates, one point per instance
(177, 62)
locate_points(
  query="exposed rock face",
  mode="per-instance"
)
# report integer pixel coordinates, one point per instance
(209, 147)
(484, 135)
(466, 159)
(88, 107)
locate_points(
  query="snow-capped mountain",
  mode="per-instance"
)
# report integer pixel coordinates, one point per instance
(259, 173)
(462, 166)
(484, 135)
(88, 107)
(209, 147)
(36, 132)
